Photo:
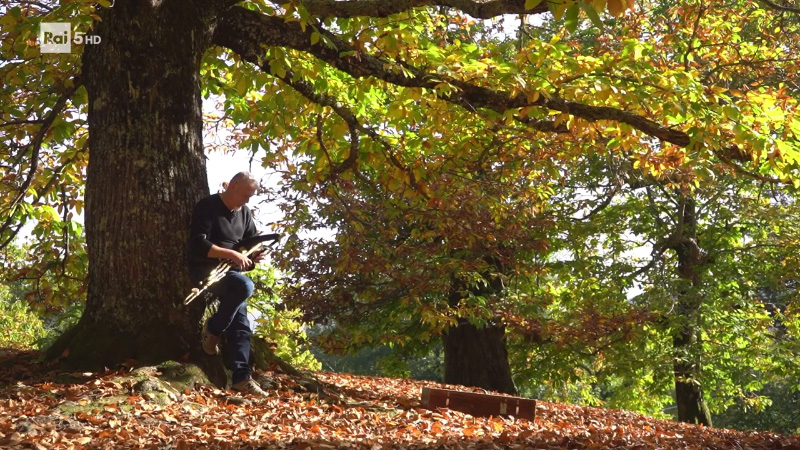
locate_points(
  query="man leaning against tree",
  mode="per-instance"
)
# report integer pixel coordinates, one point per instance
(219, 222)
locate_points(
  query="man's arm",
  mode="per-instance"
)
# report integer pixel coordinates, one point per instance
(250, 230)
(239, 259)
(200, 246)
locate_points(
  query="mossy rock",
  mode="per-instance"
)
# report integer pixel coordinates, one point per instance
(182, 375)
(168, 380)
(69, 408)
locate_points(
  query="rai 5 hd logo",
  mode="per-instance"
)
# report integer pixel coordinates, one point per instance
(57, 37)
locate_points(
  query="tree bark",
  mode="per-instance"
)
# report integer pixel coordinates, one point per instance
(687, 362)
(476, 356)
(145, 173)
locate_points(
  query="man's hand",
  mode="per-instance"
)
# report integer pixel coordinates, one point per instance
(241, 261)
(259, 256)
(254, 259)
(238, 259)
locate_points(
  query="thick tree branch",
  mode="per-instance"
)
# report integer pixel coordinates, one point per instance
(595, 113)
(778, 7)
(248, 39)
(734, 153)
(384, 8)
(247, 32)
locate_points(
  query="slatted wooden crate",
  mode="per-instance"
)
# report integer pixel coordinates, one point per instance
(479, 404)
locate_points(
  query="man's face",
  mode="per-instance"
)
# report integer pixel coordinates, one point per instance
(241, 191)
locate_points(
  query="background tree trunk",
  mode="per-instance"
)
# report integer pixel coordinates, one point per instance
(146, 171)
(478, 356)
(687, 363)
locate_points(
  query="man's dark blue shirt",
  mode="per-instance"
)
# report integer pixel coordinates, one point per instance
(214, 223)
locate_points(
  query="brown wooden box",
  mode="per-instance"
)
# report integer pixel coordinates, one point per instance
(479, 404)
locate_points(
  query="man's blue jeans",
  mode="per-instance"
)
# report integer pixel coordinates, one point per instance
(231, 318)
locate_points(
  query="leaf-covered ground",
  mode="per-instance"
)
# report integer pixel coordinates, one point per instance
(50, 410)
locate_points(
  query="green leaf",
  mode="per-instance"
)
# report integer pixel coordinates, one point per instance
(571, 18)
(47, 213)
(75, 227)
(242, 84)
(591, 12)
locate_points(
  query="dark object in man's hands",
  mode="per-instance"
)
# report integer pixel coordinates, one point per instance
(250, 247)
(250, 243)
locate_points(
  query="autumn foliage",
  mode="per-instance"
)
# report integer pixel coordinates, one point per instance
(103, 410)
(475, 176)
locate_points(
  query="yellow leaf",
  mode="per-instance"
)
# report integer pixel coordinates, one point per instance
(616, 7)
(599, 5)
(561, 118)
(7, 19)
(241, 85)
(530, 4)
(558, 8)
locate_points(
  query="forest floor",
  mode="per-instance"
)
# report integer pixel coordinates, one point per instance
(42, 408)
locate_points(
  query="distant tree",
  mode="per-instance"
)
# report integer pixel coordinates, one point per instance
(775, 407)
(617, 316)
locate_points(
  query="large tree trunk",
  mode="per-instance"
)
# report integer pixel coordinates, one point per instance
(478, 356)
(687, 364)
(146, 171)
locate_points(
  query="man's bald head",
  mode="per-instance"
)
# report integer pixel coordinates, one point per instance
(243, 177)
(238, 192)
